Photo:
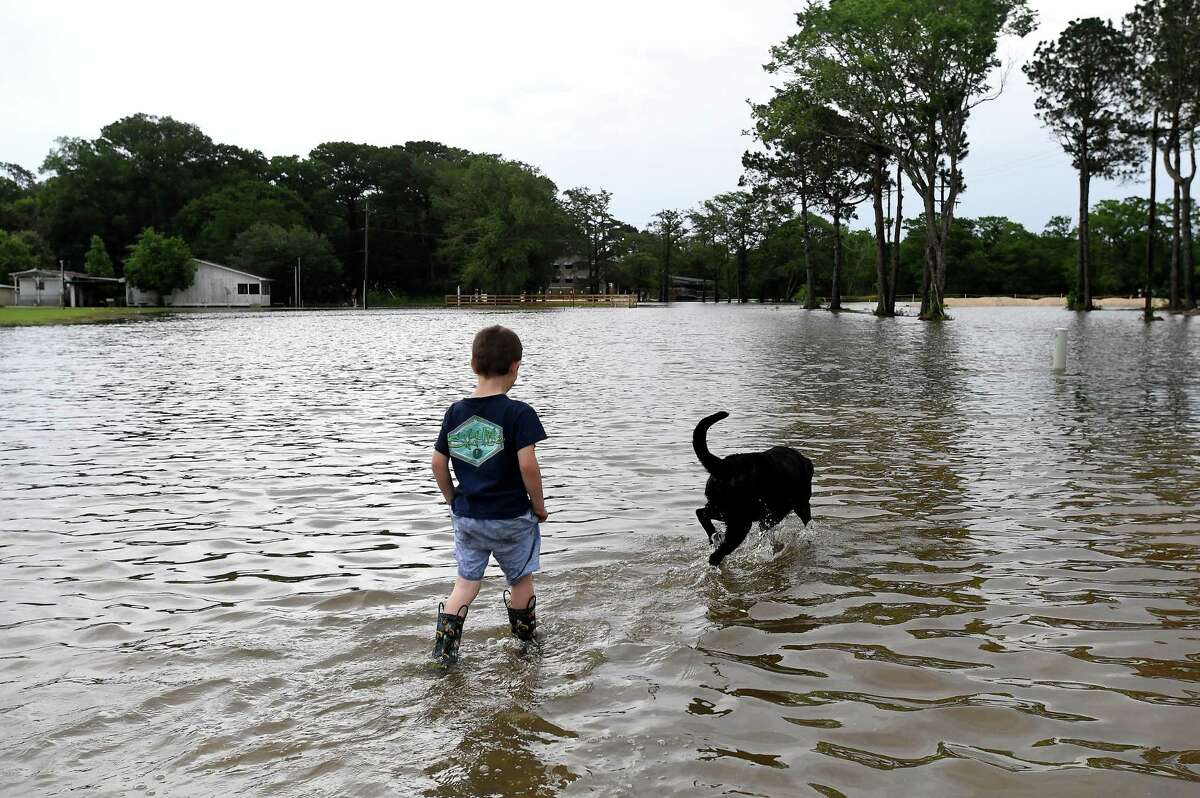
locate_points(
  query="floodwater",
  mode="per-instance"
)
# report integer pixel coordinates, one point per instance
(221, 552)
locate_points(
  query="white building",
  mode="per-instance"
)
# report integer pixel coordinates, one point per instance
(214, 285)
(62, 288)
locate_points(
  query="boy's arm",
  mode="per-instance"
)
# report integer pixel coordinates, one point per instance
(531, 475)
(441, 472)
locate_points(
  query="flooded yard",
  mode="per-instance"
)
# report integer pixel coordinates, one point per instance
(221, 551)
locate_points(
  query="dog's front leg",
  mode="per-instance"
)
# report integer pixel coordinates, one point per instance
(704, 514)
(735, 533)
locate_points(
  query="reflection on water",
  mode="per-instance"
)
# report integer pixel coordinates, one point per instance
(221, 550)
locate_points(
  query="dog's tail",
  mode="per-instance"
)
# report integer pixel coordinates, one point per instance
(714, 464)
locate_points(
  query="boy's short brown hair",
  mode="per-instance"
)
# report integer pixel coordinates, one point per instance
(494, 351)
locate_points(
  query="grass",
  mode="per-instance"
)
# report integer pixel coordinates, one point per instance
(29, 317)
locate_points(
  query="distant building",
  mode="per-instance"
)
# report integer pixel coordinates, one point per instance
(58, 288)
(214, 285)
(685, 289)
(8, 295)
(570, 274)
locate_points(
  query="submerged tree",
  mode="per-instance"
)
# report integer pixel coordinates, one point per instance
(1083, 80)
(668, 226)
(738, 220)
(791, 142)
(910, 71)
(1168, 34)
(596, 231)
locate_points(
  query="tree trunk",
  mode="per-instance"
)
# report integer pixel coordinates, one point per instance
(891, 305)
(1083, 277)
(664, 291)
(1148, 313)
(743, 259)
(933, 282)
(1187, 288)
(1176, 302)
(810, 301)
(881, 270)
(1187, 266)
(1173, 169)
(835, 295)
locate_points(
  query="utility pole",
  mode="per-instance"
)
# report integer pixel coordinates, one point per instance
(299, 304)
(366, 247)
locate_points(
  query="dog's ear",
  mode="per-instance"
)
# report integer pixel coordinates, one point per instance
(805, 513)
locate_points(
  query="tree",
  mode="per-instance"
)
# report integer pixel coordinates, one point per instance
(274, 251)
(669, 227)
(159, 263)
(504, 225)
(738, 220)
(15, 255)
(596, 232)
(96, 262)
(841, 181)
(1167, 33)
(1082, 81)
(911, 72)
(792, 142)
(211, 223)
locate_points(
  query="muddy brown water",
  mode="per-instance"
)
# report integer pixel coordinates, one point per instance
(221, 552)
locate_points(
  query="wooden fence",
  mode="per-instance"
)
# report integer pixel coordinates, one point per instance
(541, 300)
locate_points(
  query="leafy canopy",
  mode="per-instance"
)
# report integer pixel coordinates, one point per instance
(1083, 82)
(159, 263)
(96, 262)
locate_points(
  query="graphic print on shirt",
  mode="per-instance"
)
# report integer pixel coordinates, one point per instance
(476, 441)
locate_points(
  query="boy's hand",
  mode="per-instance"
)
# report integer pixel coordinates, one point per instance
(541, 515)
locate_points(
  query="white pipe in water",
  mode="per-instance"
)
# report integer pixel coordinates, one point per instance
(1060, 349)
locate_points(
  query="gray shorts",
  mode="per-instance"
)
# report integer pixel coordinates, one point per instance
(514, 542)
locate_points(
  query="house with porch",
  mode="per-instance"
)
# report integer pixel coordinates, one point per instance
(62, 288)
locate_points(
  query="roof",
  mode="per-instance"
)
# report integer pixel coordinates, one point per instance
(231, 269)
(47, 273)
(87, 278)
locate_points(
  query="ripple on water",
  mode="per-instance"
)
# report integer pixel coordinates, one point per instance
(221, 554)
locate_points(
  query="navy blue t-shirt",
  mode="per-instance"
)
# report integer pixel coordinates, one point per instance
(482, 437)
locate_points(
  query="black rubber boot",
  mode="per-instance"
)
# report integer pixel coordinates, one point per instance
(523, 622)
(449, 633)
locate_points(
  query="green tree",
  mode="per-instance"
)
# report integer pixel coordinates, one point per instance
(504, 226)
(596, 233)
(96, 262)
(275, 252)
(1082, 81)
(737, 220)
(911, 72)
(16, 255)
(668, 225)
(212, 223)
(159, 263)
(140, 172)
(1167, 35)
(791, 139)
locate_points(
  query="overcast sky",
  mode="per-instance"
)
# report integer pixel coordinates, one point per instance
(646, 99)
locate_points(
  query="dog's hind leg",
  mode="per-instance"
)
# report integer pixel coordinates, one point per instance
(735, 533)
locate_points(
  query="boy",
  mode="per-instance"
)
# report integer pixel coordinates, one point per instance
(497, 505)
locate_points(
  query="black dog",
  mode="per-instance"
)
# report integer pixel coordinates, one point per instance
(746, 488)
